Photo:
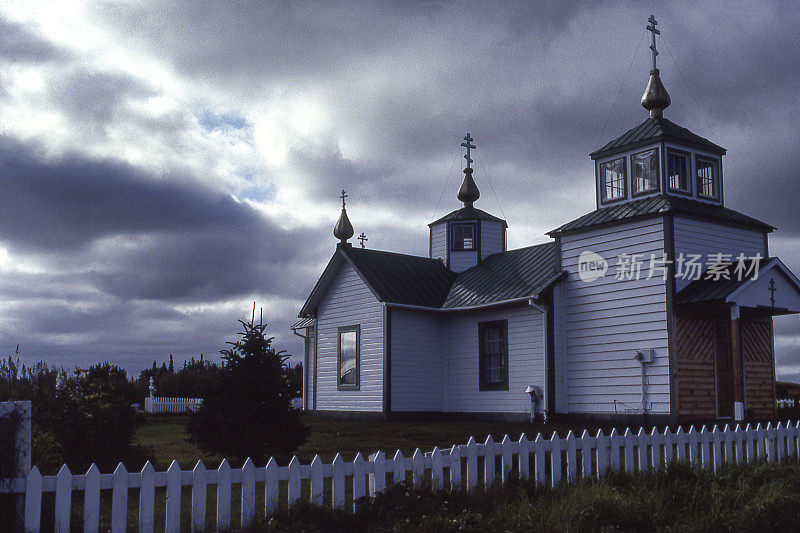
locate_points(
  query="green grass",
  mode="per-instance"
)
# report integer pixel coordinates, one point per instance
(759, 497)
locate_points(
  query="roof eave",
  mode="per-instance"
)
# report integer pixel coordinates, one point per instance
(712, 148)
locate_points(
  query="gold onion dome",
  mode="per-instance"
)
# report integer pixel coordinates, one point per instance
(655, 98)
(468, 193)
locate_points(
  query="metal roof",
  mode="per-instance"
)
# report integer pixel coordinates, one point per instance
(658, 205)
(469, 213)
(656, 129)
(505, 276)
(710, 290)
(303, 323)
(402, 279)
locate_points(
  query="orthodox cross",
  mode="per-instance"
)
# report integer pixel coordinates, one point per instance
(652, 28)
(343, 196)
(363, 239)
(468, 145)
(772, 290)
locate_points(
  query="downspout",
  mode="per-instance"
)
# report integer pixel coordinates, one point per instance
(545, 310)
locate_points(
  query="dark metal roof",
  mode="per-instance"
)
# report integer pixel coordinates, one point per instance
(659, 205)
(303, 323)
(402, 279)
(656, 129)
(710, 290)
(505, 276)
(469, 213)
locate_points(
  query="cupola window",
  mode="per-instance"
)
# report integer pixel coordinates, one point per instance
(644, 167)
(707, 178)
(612, 175)
(463, 237)
(678, 171)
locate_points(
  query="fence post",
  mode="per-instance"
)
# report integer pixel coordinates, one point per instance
(338, 482)
(248, 493)
(119, 500)
(271, 487)
(173, 511)
(33, 501)
(318, 479)
(359, 474)
(199, 497)
(63, 499)
(294, 480)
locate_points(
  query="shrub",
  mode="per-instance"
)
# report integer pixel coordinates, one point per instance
(248, 413)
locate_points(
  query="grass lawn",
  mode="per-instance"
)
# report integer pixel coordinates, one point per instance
(167, 435)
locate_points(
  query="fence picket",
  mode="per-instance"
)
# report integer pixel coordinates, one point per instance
(524, 457)
(488, 462)
(656, 443)
(572, 468)
(555, 459)
(539, 451)
(668, 440)
(199, 498)
(91, 500)
(586, 454)
(738, 444)
(761, 434)
(727, 441)
(628, 439)
(224, 496)
(437, 468)
(705, 448)
(318, 479)
(472, 464)
(271, 487)
(173, 511)
(294, 480)
(693, 439)
(506, 458)
(613, 441)
(359, 475)
(119, 500)
(418, 468)
(780, 435)
(248, 493)
(398, 467)
(455, 469)
(338, 481)
(680, 445)
(33, 501)
(602, 450)
(63, 499)
(641, 448)
(716, 440)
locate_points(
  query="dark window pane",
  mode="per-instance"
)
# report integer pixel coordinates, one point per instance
(493, 354)
(463, 237)
(678, 171)
(645, 171)
(612, 176)
(706, 178)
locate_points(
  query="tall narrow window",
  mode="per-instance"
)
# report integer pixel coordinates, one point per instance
(678, 171)
(707, 179)
(612, 180)
(463, 237)
(349, 357)
(644, 167)
(493, 356)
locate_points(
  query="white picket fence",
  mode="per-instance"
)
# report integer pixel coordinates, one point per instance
(297, 403)
(171, 405)
(461, 467)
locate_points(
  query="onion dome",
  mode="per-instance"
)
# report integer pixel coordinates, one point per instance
(343, 229)
(655, 98)
(468, 193)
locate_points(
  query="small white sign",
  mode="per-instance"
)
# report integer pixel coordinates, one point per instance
(591, 266)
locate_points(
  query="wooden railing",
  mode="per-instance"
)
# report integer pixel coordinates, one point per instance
(461, 467)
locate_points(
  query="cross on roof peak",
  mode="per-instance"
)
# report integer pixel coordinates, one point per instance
(652, 29)
(363, 239)
(343, 196)
(468, 145)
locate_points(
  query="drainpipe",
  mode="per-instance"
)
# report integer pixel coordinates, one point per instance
(644, 356)
(545, 310)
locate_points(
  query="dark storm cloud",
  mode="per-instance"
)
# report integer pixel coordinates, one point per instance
(19, 44)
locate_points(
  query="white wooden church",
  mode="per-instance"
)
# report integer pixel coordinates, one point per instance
(658, 303)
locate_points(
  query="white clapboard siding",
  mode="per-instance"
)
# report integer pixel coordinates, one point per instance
(453, 468)
(492, 238)
(526, 361)
(461, 261)
(349, 302)
(704, 237)
(171, 405)
(605, 321)
(439, 241)
(418, 358)
(559, 348)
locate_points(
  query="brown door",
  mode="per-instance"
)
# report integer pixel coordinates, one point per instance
(724, 364)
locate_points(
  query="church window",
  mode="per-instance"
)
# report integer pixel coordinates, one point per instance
(678, 171)
(644, 167)
(707, 184)
(463, 237)
(612, 176)
(493, 355)
(349, 360)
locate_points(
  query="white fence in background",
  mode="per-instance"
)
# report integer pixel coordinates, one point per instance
(462, 467)
(297, 403)
(171, 405)
(789, 402)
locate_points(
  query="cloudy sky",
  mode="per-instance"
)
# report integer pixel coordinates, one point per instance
(163, 165)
